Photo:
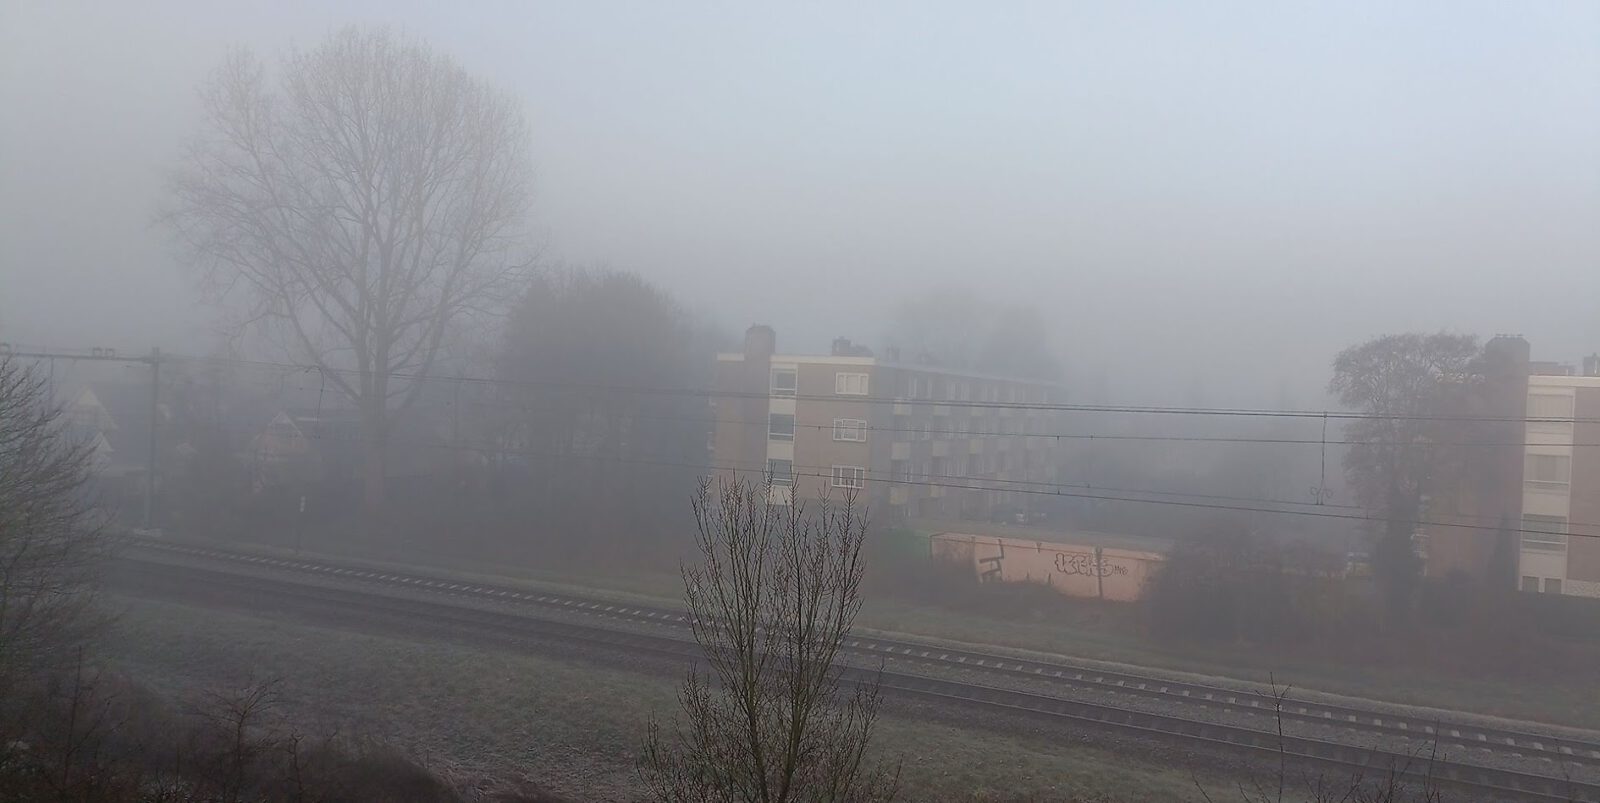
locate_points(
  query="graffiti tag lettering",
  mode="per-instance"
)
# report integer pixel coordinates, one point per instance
(993, 572)
(1084, 563)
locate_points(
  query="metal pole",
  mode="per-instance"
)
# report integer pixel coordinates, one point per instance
(155, 419)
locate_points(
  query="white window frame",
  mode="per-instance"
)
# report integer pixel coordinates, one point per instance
(1541, 540)
(843, 380)
(853, 430)
(1554, 400)
(772, 383)
(851, 477)
(780, 436)
(1563, 470)
(786, 478)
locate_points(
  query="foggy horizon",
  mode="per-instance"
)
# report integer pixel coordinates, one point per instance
(549, 402)
(1221, 197)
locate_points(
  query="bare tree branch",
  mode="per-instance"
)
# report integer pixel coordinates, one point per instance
(361, 204)
(772, 602)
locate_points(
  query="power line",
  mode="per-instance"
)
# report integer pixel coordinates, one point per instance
(1083, 408)
(1052, 488)
(491, 446)
(1077, 436)
(1055, 490)
(1087, 436)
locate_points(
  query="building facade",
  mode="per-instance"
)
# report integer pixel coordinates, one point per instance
(1525, 497)
(1560, 546)
(911, 440)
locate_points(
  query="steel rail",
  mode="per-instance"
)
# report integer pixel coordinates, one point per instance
(1433, 729)
(180, 580)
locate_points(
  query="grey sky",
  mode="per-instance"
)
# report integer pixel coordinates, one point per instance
(1236, 189)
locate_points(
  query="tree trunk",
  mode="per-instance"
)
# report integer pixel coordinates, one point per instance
(375, 451)
(372, 482)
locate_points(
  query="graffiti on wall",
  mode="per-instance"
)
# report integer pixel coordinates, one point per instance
(1076, 570)
(1088, 564)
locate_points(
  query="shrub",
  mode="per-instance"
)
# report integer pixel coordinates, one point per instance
(1233, 586)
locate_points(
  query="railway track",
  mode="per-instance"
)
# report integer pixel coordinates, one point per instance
(1513, 784)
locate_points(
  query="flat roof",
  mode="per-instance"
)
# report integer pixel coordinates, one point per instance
(828, 359)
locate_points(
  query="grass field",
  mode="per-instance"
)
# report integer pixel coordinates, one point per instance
(571, 727)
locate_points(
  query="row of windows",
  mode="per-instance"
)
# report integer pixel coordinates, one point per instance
(780, 427)
(976, 465)
(927, 387)
(851, 477)
(946, 427)
(785, 382)
(1552, 585)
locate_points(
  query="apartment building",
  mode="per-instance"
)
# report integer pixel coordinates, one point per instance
(1528, 497)
(1560, 549)
(913, 440)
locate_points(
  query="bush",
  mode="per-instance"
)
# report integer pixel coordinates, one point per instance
(94, 737)
(1231, 586)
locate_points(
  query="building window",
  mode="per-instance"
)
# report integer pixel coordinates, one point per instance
(784, 381)
(1547, 469)
(780, 427)
(898, 470)
(1552, 585)
(1548, 533)
(1530, 583)
(849, 476)
(781, 471)
(850, 384)
(1545, 405)
(849, 429)
(913, 386)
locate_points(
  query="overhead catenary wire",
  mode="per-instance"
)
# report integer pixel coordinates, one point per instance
(1089, 436)
(1056, 490)
(279, 384)
(867, 399)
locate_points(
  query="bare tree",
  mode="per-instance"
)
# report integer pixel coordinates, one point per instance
(1400, 380)
(50, 544)
(359, 207)
(771, 604)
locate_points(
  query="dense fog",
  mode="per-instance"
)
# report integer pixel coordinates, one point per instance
(544, 402)
(1202, 199)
